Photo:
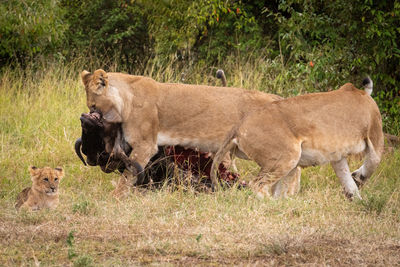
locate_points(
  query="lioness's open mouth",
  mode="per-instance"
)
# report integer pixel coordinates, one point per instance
(92, 119)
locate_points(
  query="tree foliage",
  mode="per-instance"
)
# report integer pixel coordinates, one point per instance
(346, 39)
(29, 28)
(107, 29)
(321, 42)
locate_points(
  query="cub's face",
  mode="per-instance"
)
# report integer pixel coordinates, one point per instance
(46, 179)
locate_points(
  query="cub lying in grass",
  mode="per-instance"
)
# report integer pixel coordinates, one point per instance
(44, 190)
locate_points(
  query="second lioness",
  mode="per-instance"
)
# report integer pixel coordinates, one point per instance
(310, 130)
(153, 113)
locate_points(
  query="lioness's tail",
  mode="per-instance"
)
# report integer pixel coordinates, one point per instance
(368, 85)
(227, 145)
(221, 75)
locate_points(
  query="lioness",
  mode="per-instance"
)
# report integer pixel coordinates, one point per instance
(310, 130)
(44, 190)
(156, 114)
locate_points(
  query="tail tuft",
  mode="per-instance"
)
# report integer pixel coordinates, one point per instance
(368, 85)
(221, 75)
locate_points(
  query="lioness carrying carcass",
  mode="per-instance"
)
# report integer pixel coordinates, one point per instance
(102, 143)
(153, 113)
(99, 137)
(310, 130)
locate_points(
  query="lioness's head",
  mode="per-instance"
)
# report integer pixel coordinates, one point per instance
(46, 179)
(98, 97)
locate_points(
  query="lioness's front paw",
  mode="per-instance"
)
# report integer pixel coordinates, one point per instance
(120, 193)
(122, 189)
(130, 168)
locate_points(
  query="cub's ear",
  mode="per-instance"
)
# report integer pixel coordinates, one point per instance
(85, 75)
(112, 116)
(33, 171)
(60, 172)
(100, 79)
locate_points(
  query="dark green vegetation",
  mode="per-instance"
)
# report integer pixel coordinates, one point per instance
(316, 43)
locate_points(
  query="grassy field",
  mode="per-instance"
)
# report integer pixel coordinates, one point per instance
(39, 122)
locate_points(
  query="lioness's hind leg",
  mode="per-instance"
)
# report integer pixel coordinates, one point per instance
(342, 170)
(271, 178)
(278, 166)
(262, 184)
(371, 162)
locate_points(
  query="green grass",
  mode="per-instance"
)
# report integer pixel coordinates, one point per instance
(39, 122)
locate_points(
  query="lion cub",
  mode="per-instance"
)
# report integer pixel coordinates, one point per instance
(44, 190)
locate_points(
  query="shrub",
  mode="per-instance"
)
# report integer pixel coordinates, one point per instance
(29, 28)
(346, 40)
(108, 29)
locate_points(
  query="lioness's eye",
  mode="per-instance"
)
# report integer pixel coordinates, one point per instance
(56, 179)
(46, 179)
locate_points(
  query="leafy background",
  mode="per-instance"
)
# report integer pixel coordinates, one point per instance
(317, 43)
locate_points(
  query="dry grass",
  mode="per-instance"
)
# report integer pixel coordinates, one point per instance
(39, 121)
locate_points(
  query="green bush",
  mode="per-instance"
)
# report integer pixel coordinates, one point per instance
(29, 28)
(203, 30)
(319, 44)
(108, 29)
(346, 40)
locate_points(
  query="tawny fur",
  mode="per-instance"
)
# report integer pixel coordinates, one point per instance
(309, 130)
(153, 113)
(291, 185)
(44, 190)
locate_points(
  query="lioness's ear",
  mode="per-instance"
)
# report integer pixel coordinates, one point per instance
(85, 75)
(100, 79)
(60, 172)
